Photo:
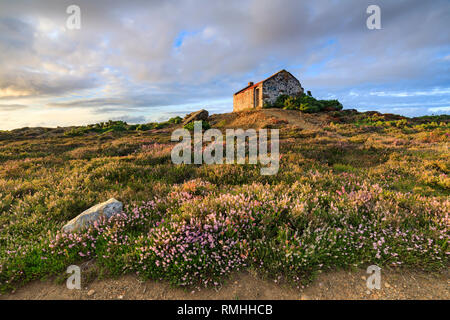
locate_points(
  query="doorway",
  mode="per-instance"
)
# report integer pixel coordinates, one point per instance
(256, 100)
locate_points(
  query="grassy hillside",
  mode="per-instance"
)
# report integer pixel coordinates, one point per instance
(353, 189)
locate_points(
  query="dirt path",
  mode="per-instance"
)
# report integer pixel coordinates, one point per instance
(332, 285)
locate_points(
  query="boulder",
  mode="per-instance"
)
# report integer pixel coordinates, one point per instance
(196, 116)
(87, 218)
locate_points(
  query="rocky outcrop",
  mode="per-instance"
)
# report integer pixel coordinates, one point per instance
(87, 218)
(196, 116)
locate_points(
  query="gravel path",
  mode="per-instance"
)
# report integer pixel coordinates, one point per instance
(330, 285)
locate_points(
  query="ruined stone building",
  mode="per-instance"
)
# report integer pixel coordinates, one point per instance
(255, 96)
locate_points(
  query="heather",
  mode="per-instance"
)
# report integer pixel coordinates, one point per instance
(361, 189)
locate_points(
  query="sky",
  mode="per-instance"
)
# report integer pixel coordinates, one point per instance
(149, 60)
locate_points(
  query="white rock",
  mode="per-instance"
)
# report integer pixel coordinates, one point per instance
(87, 218)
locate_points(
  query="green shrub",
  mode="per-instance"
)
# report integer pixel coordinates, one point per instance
(120, 126)
(331, 105)
(190, 125)
(305, 103)
(102, 127)
(175, 120)
(304, 107)
(281, 99)
(290, 104)
(143, 127)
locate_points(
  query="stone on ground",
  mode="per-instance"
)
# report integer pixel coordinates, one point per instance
(87, 218)
(196, 116)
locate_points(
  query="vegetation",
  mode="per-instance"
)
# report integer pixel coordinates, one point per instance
(119, 126)
(357, 190)
(305, 103)
(190, 125)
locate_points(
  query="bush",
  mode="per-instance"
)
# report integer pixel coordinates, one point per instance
(175, 120)
(102, 127)
(304, 107)
(119, 126)
(280, 102)
(290, 103)
(331, 105)
(143, 127)
(304, 103)
(190, 125)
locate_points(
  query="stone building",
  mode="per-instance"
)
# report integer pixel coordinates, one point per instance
(255, 96)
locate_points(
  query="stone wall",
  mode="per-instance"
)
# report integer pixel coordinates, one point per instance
(268, 91)
(281, 83)
(246, 99)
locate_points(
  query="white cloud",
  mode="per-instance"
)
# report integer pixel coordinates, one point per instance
(432, 92)
(440, 109)
(124, 55)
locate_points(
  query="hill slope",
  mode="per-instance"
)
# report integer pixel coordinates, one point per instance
(353, 189)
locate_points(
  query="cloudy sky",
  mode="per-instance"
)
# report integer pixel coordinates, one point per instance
(149, 60)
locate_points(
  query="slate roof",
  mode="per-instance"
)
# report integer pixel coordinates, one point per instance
(256, 84)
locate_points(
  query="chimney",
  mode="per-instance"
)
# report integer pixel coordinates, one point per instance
(250, 84)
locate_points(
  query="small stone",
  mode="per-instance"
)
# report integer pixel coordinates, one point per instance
(91, 292)
(120, 297)
(196, 116)
(368, 292)
(387, 285)
(90, 216)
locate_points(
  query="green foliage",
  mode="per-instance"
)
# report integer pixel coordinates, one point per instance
(143, 127)
(420, 124)
(190, 125)
(308, 108)
(305, 103)
(102, 127)
(345, 196)
(445, 118)
(279, 102)
(175, 120)
(290, 104)
(120, 126)
(431, 125)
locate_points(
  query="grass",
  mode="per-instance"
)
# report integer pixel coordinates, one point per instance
(352, 193)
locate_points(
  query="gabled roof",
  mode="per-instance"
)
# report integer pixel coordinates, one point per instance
(257, 84)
